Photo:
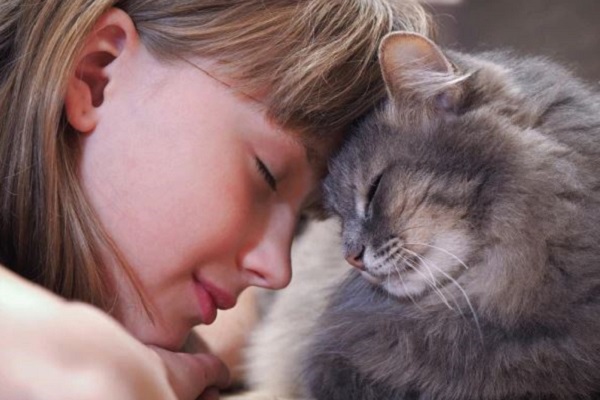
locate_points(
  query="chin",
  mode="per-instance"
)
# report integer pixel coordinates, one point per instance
(171, 341)
(152, 333)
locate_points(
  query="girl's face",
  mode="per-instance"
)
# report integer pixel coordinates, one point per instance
(198, 190)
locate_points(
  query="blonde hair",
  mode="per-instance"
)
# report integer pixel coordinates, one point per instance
(317, 58)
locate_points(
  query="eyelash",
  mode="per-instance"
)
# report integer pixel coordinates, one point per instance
(264, 171)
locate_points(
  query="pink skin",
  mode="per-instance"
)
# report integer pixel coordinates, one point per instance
(170, 167)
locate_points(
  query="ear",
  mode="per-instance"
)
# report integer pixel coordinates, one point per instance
(111, 36)
(413, 66)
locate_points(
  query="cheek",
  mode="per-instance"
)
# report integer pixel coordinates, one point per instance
(454, 244)
(186, 221)
(444, 238)
(223, 218)
(425, 222)
(226, 218)
(420, 231)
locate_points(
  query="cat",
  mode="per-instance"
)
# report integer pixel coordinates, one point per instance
(470, 206)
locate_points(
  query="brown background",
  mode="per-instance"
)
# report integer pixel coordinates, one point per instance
(567, 31)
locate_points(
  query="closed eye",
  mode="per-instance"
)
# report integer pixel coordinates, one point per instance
(373, 188)
(267, 175)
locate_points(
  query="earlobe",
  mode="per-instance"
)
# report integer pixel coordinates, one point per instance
(113, 35)
(78, 107)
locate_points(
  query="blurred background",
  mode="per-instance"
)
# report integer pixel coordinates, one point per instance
(567, 31)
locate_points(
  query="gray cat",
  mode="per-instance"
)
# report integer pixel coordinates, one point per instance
(470, 202)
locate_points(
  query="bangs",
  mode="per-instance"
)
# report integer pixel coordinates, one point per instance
(316, 61)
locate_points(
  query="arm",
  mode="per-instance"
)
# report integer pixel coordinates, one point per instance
(54, 349)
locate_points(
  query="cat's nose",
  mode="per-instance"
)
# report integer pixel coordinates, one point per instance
(355, 258)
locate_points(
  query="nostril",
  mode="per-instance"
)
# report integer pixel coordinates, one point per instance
(355, 258)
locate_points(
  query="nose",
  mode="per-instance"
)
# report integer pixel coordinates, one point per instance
(355, 257)
(268, 261)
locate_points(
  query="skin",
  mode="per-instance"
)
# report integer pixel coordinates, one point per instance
(227, 336)
(185, 177)
(170, 166)
(168, 161)
(83, 353)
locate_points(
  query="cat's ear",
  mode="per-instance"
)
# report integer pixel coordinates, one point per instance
(414, 68)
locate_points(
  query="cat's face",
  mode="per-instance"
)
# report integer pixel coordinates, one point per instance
(409, 219)
(413, 188)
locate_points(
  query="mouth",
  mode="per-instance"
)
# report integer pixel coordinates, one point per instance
(212, 298)
(375, 280)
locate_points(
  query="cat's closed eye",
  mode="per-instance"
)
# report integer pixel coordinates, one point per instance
(373, 189)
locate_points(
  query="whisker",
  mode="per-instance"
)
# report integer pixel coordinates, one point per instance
(464, 293)
(392, 256)
(386, 247)
(388, 279)
(432, 284)
(414, 227)
(440, 249)
(440, 289)
(383, 263)
(403, 282)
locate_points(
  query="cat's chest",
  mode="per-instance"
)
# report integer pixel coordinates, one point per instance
(369, 318)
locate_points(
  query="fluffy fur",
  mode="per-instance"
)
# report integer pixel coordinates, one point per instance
(472, 201)
(281, 340)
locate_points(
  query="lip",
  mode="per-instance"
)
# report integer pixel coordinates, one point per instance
(222, 299)
(211, 298)
(208, 308)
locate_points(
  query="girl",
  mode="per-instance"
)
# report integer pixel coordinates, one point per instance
(155, 157)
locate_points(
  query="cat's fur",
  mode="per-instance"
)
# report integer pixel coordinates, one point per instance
(279, 343)
(472, 196)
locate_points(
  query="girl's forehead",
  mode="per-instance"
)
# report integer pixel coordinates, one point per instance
(317, 145)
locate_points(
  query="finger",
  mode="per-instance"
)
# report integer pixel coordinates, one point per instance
(191, 374)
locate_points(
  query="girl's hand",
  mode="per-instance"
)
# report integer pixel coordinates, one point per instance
(53, 349)
(194, 375)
